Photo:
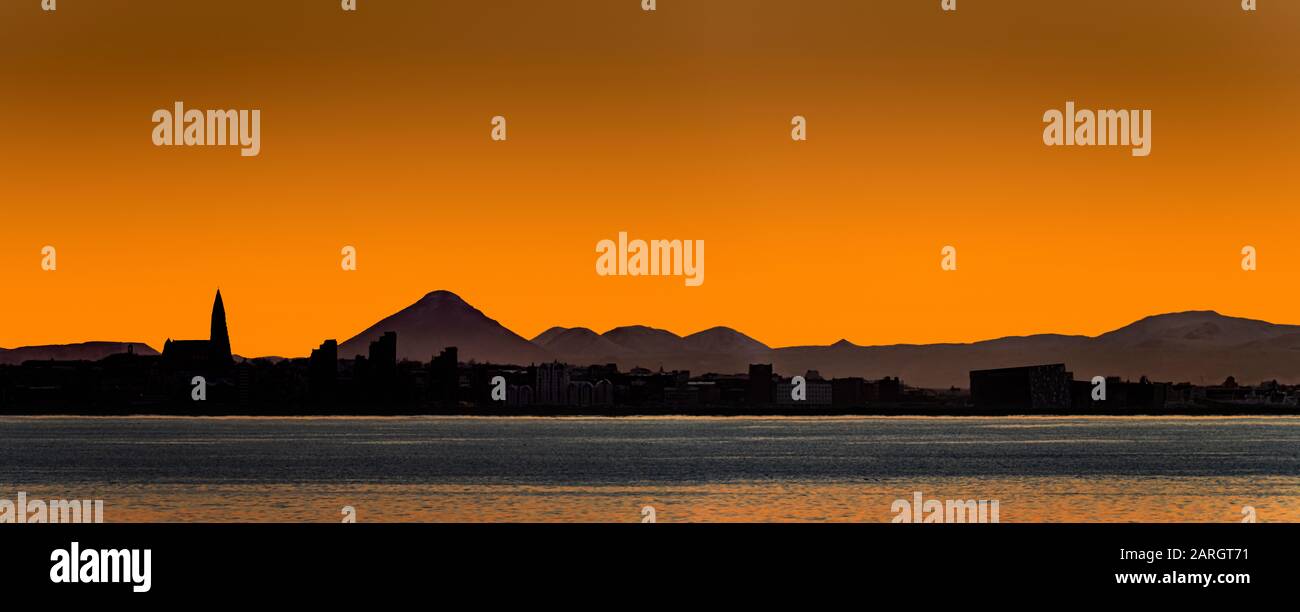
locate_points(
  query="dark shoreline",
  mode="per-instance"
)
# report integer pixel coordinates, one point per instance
(614, 412)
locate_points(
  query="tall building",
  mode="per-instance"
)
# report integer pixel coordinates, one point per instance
(381, 369)
(215, 351)
(761, 386)
(383, 354)
(444, 376)
(323, 374)
(218, 336)
(326, 358)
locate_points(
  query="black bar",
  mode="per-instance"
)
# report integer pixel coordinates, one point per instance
(447, 563)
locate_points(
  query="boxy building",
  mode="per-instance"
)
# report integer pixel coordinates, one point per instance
(1039, 388)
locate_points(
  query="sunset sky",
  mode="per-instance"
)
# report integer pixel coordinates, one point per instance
(925, 130)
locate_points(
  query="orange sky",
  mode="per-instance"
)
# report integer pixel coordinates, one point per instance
(924, 130)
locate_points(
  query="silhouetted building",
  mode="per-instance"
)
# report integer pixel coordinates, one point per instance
(380, 369)
(215, 351)
(383, 352)
(519, 395)
(244, 383)
(761, 386)
(323, 372)
(603, 393)
(552, 384)
(848, 392)
(1121, 396)
(817, 391)
(1040, 388)
(218, 335)
(580, 393)
(681, 396)
(127, 383)
(885, 390)
(444, 377)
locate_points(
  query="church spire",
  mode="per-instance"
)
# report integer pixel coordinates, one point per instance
(219, 339)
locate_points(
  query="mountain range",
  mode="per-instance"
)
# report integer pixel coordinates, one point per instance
(1202, 347)
(441, 319)
(89, 351)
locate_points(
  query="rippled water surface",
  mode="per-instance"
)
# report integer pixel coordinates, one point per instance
(689, 469)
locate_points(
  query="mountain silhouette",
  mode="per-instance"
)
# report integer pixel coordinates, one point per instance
(718, 349)
(545, 337)
(441, 319)
(724, 340)
(89, 351)
(1198, 328)
(1202, 347)
(581, 345)
(643, 339)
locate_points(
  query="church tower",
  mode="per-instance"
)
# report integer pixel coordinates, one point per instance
(219, 339)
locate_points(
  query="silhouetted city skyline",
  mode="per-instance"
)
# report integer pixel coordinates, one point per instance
(380, 381)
